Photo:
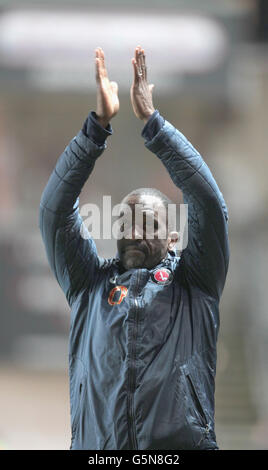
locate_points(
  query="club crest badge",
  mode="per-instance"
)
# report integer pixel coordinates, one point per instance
(117, 294)
(162, 276)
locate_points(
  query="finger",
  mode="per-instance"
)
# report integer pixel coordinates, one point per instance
(135, 68)
(143, 64)
(102, 67)
(142, 72)
(97, 65)
(104, 70)
(137, 49)
(138, 63)
(101, 52)
(98, 54)
(138, 56)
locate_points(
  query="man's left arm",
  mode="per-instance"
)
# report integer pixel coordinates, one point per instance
(205, 260)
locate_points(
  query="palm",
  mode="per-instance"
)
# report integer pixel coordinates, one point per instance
(107, 96)
(107, 92)
(141, 90)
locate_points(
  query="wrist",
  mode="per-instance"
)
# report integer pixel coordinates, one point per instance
(102, 121)
(147, 117)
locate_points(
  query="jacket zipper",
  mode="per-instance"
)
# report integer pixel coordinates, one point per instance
(206, 432)
(200, 410)
(132, 376)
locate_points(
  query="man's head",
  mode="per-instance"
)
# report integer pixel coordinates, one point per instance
(151, 232)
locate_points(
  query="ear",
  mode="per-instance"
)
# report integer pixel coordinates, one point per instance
(173, 238)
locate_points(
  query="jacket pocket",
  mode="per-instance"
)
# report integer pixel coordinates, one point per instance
(196, 399)
(203, 419)
(80, 395)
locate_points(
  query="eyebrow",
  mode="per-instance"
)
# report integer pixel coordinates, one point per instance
(144, 211)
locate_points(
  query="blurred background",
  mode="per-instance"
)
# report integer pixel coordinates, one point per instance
(208, 60)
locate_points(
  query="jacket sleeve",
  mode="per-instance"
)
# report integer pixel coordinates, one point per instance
(72, 258)
(206, 257)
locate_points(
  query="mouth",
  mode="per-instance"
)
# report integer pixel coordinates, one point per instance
(134, 249)
(137, 249)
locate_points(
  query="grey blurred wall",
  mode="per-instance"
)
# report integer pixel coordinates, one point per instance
(222, 110)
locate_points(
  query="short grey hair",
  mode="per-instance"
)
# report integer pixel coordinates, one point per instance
(157, 194)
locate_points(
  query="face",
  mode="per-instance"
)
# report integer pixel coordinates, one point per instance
(143, 244)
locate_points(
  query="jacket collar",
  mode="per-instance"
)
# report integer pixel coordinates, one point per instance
(169, 258)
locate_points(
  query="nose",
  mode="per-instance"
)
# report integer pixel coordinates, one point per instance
(137, 232)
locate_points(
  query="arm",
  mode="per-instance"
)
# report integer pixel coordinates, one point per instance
(73, 258)
(205, 259)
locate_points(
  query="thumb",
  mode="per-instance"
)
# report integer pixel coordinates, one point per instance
(151, 87)
(114, 86)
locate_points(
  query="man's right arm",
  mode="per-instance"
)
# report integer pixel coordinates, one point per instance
(72, 258)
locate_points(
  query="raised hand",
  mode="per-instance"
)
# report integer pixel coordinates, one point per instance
(107, 92)
(141, 91)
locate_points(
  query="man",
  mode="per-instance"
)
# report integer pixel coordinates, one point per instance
(144, 325)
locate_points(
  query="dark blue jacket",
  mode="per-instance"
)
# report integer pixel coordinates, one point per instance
(141, 371)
